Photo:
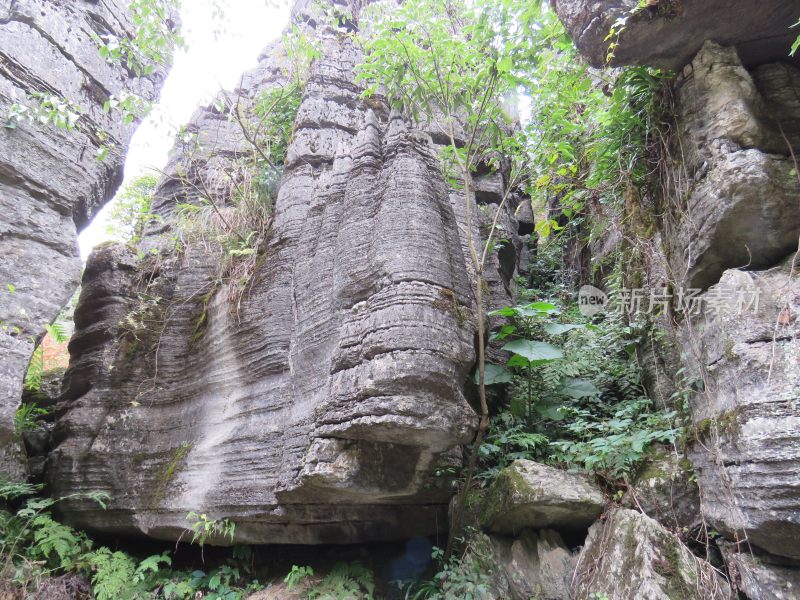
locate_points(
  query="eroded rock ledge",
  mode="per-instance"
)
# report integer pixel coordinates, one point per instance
(668, 33)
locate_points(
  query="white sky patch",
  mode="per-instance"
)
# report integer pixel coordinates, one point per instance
(219, 51)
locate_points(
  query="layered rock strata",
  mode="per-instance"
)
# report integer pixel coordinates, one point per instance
(317, 406)
(51, 182)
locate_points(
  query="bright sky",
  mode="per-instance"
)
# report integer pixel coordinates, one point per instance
(219, 50)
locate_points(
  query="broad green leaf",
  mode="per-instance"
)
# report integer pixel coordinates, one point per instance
(559, 328)
(578, 388)
(550, 410)
(534, 351)
(494, 374)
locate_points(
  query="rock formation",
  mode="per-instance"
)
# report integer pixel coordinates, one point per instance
(531, 495)
(318, 405)
(741, 207)
(629, 556)
(318, 396)
(51, 182)
(746, 433)
(668, 33)
(730, 227)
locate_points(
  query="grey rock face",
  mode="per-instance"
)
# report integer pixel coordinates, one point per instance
(667, 33)
(318, 408)
(759, 578)
(531, 495)
(664, 491)
(536, 565)
(741, 194)
(629, 556)
(51, 184)
(747, 421)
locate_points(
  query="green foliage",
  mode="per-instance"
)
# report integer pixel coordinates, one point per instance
(154, 39)
(343, 582)
(296, 576)
(45, 109)
(203, 528)
(796, 44)
(576, 399)
(113, 574)
(130, 210)
(33, 376)
(460, 577)
(130, 106)
(436, 59)
(34, 546)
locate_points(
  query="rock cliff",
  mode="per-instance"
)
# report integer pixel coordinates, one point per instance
(729, 228)
(51, 182)
(318, 405)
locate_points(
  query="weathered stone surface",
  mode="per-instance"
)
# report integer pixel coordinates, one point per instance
(758, 578)
(317, 408)
(665, 491)
(742, 206)
(536, 565)
(531, 495)
(667, 33)
(51, 184)
(629, 556)
(747, 421)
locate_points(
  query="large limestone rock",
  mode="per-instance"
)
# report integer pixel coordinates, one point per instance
(316, 408)
(667, 33)
(532, 495)
(759, 577)
(746, 434)
(665, 490)
(538, 564)
(51, 183)
(629, 556)
(741, 192)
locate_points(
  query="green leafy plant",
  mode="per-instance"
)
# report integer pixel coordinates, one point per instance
(459, 576)
(130, 212)
(33, 376)
(344, 581)
(154, 39)
(34, 546)
(45, 109)
(297, 576)
(203, 528)
(28, 417)
(586, 407)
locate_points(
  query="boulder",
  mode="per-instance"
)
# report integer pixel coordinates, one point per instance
(667, 33)
(665, 490)
(538, 565)
(745, 440)
(51, 183)
(531, 495)
(758, 577)
(741, 207)
(316, 403)
(629, 556)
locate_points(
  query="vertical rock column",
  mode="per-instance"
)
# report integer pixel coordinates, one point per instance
(51, 182)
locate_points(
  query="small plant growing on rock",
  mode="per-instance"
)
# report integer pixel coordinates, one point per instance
(204, 528)
(297, 576)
